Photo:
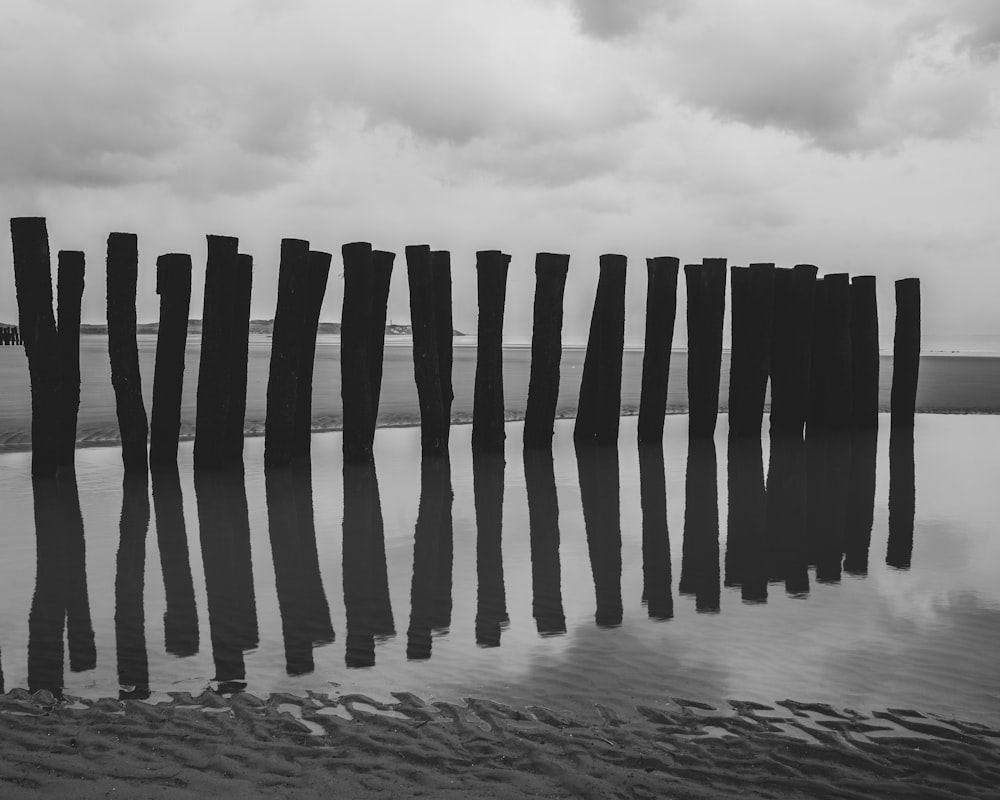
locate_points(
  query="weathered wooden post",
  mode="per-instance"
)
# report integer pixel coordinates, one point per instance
(599, 407)
(656, 567)
(69, 292)
(488, 408)
(905, 353)
(215, 368)
(491, 596)
(543, 529)
(316, 280)
(864, 352)
(123, 273)
(286, 346)
(706, 288)
(33, 284)
(837, 371)
(753, 312)
(819, 356)
(443, 329)
(433, 423)
(239, 346)
(173, 285)
(382, 261)
(791, 347)
(546, 348)
(355, 357)
(661, 310)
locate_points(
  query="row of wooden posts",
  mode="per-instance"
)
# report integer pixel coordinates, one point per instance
(815, 339)
(9, 335)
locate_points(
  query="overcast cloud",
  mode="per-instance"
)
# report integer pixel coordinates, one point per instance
(860, 135)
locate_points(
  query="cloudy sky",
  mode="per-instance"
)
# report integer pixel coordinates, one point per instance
(858, 135)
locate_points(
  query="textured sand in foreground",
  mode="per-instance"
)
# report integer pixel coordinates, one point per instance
(353, 746)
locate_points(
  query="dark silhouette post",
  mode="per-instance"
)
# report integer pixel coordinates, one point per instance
(286, 352)
(123, 273)
(791, 347)
(443, 330)
(356, 341)
(382, 261)
(239, 345)
(656, 566)
(706, 288)
(600, 491)
(599, 407)
(130, 579)
(700, 546)
(819, 357)
(426, 368)
(902, 497)
(864, 352)
(46, 620)
(661, 310)
(33, 284)
(753, 312)
(215, 368)
(546, 348)
(905, 353)
(173, 285)
(491, 596)
(836, 371)
(746, 541)
(69, 293)
(316, 280)
(488, 410)
(543, 529)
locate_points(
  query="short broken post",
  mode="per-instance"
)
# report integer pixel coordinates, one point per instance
(316, 280)
(706, 288)
(546, 348)
(239, 348)
(864, 352)
(69, 292)
(123, 273)
(753, 313)
(791, 347)
(355, 359)
(599, 407)
(173, 285)
(661, 311)
(905, 353)
(488, 408)
(433, 427)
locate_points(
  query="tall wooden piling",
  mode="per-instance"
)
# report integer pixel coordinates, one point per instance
(33, 285)
(316, 280)
(599, 407)
(546, 348)
(69, 292)
(355, 356)
(286, 344)
(753, 314)
(382, 261)
(443, 329)
(433, 425)
(818, 358)
(215, 369)
(488, 408)
(173, 285)
(706, 288)
(239, 347)
(905, 353)
(791, 347)
(864, 352)
(661, 310)
(836, 373)
(123, 272)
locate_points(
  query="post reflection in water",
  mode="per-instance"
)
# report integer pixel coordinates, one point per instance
(61, 599)
(902, 498)
(224, 531)
(828, 469)
(656, 567)
(746, 541)
(180, 619)
(366, 580)
(860, 501)
(430, 590)
(130, 617)
(543, 528)
(305, 614)
(491, 598)
(600, 491)
(786, 513)
(700, 546)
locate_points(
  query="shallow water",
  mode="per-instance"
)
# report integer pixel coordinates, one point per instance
(602, 576)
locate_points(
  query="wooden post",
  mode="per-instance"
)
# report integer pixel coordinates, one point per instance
(488, 407)
(123, 273)
(599, 407)
(656, 567)
(433, 428)
(381, 275)
(706, 287)
(173, 285)
(33, 284)
(69, 283)
(316, 280)
(239, 344)
(791, 347)
(215, 368)
(905, 353)
(491, 597)
(836, 376)
(443, 330)
(661, 310)
(543, 530)
(546, 348)
(286, 347)
(355, 357)
(753, 312)
(864, 352)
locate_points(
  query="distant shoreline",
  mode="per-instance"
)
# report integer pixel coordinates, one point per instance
(258, 326)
